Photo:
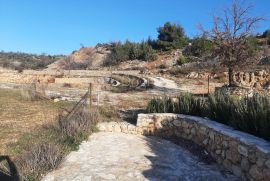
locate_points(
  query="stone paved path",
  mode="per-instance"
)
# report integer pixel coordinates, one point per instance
(119, 156)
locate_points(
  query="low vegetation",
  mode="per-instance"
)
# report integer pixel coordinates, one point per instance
(34, 135)
(42, 151)
(171, 36)
(249, 114)
(19, 115)
(130, 51)
(199, 46)
(21, 61)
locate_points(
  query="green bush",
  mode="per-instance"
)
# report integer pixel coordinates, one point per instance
(200, 46)
(171, 36)
(252, 115)
(161, 105)
(218, 107)
(249, 114)
(130, 51)
(181, 60)
(189, 104)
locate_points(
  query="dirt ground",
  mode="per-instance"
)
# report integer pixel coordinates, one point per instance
(19, 116)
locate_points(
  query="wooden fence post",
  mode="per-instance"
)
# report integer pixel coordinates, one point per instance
(98, 99)
(208, 84)
(90, 95)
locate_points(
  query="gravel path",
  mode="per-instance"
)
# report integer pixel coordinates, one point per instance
(119, 156)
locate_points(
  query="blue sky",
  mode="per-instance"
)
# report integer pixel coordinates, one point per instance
(61, 26)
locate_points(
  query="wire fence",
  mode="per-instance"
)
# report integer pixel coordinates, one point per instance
(80, 106)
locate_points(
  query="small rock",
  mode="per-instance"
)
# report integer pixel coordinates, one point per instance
(225, 144)
(177, 123)
(56, 100)
(203, 130)
(266, 174)
(193, 131)
(255, 172)
(117, 128)
(212, 135)
(223, 155)
(252, 157)
(243, 150)
(245, 164)
(236, 170)
(260, 161)
(205, 142)
(267, 163)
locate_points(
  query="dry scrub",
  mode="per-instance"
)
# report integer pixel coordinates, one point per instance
(42, 151)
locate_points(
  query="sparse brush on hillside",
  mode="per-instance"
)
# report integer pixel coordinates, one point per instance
(200, 46)
(20, 61)
(249, 114)
(130, 51)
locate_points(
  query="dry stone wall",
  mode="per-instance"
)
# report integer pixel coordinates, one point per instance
(243, 154)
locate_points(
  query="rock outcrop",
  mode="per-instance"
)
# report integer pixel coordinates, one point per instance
(90, 57)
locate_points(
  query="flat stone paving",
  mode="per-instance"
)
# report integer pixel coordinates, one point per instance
(119, 156)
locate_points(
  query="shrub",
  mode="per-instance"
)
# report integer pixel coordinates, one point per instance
(42, 151)
(249, 114)
(20, 61)
(181, 60)
(185, 104)
(78, 127)
(30, 92)
(130, 51)
(38, 160)
(219, 107)
(171, 36)
(200, 46)
(189, 104)
(161, 105)
(252, 115)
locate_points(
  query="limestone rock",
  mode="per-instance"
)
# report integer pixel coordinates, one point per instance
(255, 172)
(245, 165)
(243, 150)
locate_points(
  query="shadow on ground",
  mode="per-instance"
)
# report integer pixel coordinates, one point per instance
(8, 170)
(172, 162)
(130, 115)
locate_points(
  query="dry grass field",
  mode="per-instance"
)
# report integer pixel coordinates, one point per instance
(19, 116)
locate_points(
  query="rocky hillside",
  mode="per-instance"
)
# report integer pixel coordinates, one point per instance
(84, 58)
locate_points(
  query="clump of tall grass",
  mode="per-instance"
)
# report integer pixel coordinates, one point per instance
(252, 115)
(189, 104)
(41, 158)
(161, 105)
(219, 107)
(30, 92)
(77, 128)
(249, 114)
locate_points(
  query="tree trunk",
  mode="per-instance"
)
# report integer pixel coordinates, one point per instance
(231, 72)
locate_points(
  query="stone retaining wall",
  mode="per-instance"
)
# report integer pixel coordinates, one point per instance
(245, 155)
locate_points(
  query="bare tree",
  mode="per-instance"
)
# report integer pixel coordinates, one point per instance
(230, 34)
